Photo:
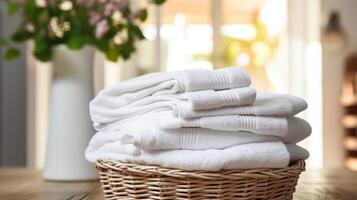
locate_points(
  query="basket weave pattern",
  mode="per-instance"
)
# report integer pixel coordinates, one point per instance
(133, 181)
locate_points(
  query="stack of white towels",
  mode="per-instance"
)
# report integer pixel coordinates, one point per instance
(197, 120)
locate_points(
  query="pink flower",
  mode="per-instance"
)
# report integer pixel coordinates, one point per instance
(93, 18)
(101, 28)
(109, 9)
(120, 4)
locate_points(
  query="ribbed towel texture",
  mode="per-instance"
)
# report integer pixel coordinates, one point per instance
(197, 120)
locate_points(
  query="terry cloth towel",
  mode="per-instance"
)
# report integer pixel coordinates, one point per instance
(134, 89)
(149, 137)
(187, 102)
(266, 104)
(192, 104)
(265, 125)
(247, 156)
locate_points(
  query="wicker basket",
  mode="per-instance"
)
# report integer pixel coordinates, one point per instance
(133, 181)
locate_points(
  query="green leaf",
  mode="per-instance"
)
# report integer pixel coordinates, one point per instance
(76, 42)
(21, 35)
(136, 31)
(42, 50)
(112, 54)
(102, 44)
(126, 11)
(43, 56)
(30, 10)
(158, 2)
(143, 15)
(126, 50)
(12, 8)
(12, 53)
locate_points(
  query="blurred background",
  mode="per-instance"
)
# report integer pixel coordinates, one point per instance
(301, 47)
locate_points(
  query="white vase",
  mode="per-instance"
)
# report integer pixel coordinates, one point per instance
(70, 128)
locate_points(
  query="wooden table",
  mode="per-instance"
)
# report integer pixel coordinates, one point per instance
(26, 184)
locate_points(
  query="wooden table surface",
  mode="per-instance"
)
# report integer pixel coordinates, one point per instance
(26, 184)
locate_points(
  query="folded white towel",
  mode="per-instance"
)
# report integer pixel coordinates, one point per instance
(197, 138)
(266, 104)
(183, 102)
(247, 156)
(149, 137)
(265, 125)
(134, 89)
(197, 104)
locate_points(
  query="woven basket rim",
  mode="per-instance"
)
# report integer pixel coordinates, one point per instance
(153, 170)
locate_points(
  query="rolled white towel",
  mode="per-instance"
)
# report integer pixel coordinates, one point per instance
(247, 156)
(137, 88)
(198, 100)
